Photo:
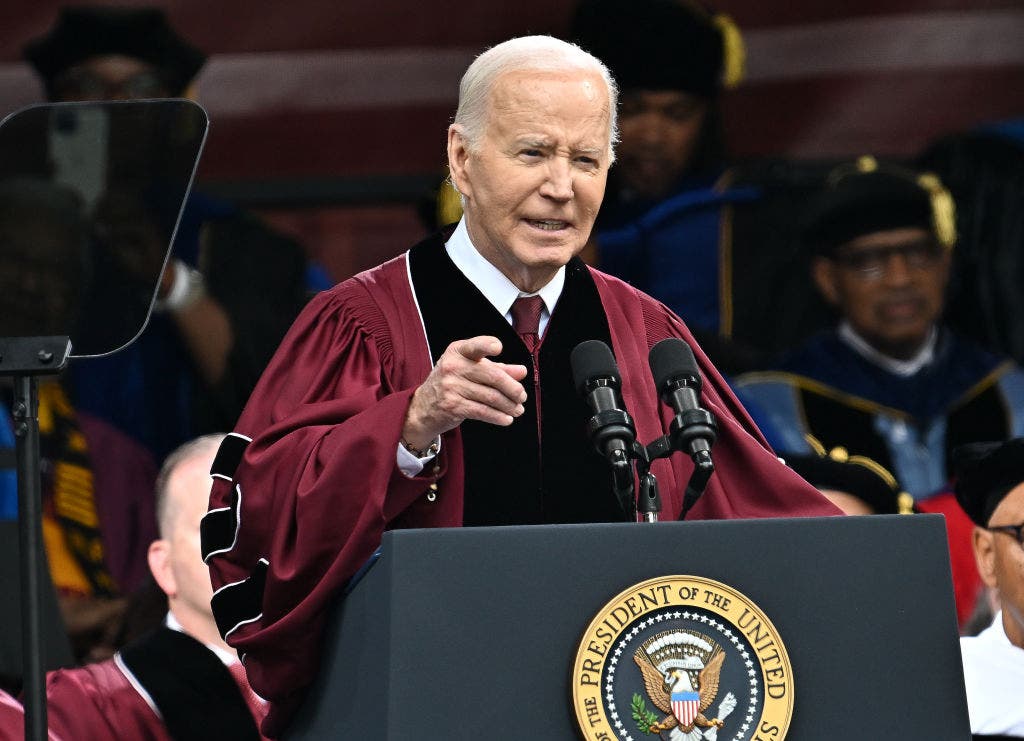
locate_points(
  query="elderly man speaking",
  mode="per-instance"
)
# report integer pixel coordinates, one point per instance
(436, 390)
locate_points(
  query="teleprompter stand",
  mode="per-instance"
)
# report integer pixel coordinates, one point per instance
(24, 359)
(471, 633)
(91, 196)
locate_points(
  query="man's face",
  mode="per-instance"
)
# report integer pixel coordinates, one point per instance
(1001, 562)
(889, 286)
(110, 77)
(658, 132)
(534, 182)
(189, 492)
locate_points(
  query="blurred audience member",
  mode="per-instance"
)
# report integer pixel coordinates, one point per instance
(990, 488)
(889, 382)
(98, 515)
(232, 286)
(855, 484)
(180, 681)
(670, 199)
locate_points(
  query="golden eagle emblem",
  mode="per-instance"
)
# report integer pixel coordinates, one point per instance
(681, 669)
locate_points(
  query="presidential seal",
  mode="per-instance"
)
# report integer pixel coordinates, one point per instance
(682, 658)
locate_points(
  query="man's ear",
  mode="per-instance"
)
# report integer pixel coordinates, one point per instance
(823, 271)
(985, 555)
(159, 557)
(458, 160)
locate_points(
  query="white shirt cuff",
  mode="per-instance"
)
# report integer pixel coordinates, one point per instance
(409, 464)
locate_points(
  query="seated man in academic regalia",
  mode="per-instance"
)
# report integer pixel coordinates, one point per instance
(670, 196)
(436, 390)
(889, 382)
(180, 682)
(990, 488)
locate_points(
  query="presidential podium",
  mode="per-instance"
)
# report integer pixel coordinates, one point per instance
(476, 633)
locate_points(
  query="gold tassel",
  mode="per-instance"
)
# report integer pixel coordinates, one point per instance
(734, 51)
(943, 210)
(449, 204)
(866, 163)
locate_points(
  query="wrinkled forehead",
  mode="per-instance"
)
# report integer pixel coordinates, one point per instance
(540, 83)
(575, 98)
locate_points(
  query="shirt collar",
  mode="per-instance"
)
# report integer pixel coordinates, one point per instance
(492, 283)
(904, 368)
(226, 657)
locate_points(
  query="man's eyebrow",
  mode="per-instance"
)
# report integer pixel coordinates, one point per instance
(530, 141)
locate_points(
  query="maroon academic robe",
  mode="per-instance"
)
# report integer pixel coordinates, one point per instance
(318, 484)
(90, 703)
(97, 702)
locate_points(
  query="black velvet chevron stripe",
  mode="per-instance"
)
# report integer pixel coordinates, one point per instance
(242, 602)
(219, 527)
(229, 455)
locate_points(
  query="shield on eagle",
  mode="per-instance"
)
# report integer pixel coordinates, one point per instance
(685, 706)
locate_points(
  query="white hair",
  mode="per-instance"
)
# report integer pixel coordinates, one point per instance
(531, 53)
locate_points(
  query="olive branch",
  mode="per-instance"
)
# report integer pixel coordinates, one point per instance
(644, 718)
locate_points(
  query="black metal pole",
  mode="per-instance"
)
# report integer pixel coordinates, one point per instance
(26, 431)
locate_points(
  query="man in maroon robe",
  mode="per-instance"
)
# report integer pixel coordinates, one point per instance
(405, 398)
(179, 682)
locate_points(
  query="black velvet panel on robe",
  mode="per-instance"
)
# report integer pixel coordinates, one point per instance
(510, 480)
(197, 697)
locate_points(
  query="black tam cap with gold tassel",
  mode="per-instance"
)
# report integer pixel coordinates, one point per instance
(661, 44)
(865, 196)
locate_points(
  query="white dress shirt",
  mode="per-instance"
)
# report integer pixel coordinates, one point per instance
(994, 675)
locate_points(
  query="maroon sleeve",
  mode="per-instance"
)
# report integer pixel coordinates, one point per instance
(318, 485)
(97, 703)
(749, 479)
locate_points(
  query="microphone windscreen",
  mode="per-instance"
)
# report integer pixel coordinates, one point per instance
(592, 359)
(672, 360)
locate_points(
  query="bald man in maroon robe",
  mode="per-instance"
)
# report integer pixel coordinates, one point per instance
(404, 397)
(179, 681)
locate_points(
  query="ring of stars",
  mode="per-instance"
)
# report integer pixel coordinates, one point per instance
(630, 635)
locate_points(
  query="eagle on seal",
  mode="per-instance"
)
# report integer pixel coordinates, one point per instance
(667, 663)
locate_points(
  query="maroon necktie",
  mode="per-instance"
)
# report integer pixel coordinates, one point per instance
(526, 319)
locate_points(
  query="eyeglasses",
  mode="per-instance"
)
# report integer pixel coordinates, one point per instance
(1017, 531)
(79, 84)
(871, 264)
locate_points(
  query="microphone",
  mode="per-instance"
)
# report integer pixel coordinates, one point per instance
(678, 381)
(597, 379)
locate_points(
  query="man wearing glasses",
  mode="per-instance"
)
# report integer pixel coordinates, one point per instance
(889, 381)
(990, 488)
